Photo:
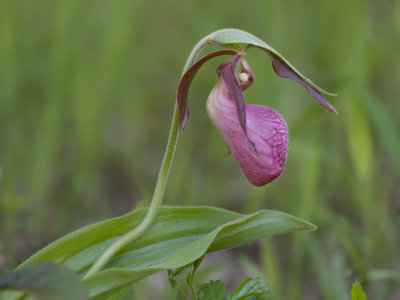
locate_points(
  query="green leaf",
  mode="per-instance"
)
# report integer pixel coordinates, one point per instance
(258, 297)
(126, 294)
(231, 37)
(357, 292)
(45, 281)
(178, 237)
(214, 290)
(250, 287)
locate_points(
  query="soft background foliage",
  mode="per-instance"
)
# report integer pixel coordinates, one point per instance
(86, 96)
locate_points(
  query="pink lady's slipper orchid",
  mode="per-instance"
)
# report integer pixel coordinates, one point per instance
(257, 135)
(262, 153)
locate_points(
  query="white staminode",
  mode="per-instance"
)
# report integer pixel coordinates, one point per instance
(243, 77)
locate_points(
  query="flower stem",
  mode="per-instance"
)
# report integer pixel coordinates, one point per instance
(160, 185)
(193, 292)
(154, 205)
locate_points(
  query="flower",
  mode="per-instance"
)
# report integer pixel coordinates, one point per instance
(257, 135)
(266, 129)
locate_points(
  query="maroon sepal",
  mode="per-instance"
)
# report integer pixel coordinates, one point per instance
(185, 82)
(283, 70)
(227, 71)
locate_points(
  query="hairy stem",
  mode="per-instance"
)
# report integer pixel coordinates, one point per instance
(160, 184)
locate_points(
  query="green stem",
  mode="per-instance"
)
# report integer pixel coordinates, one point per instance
(160, 185)
(154, 205)
(193, 292)
(183, 294)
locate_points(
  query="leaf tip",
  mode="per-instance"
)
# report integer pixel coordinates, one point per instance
(313, 227)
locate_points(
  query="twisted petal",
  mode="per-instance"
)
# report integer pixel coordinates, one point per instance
(265, 128)
(282, 69)
(227, 71)
(185, 82)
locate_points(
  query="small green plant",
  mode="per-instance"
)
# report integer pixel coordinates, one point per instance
(110, 256)
(357, 292)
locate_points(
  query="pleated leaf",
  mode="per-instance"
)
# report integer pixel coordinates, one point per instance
(178, 237)
(44, 281)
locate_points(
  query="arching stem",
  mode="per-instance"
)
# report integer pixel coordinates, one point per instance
(160, 184)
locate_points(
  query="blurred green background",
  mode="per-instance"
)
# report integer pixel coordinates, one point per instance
(87, 90)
